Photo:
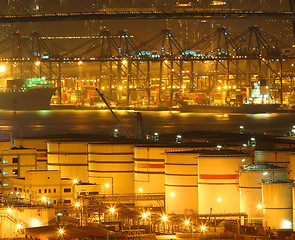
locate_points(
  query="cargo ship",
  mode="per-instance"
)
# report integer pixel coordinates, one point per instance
(26, 99)
(240, 108)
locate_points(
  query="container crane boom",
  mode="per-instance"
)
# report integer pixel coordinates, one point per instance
(114, 115)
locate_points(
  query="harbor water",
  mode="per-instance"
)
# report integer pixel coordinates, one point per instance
(54, 122)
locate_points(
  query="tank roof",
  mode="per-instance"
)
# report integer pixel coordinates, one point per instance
(263, 166)
(176, 145)
(276, 181)
(214, 152)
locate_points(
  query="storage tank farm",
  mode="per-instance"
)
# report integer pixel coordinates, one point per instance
(218, 181)
(181, 182)
(71, 158)
(251, 179)
(277, 204)
(149, 167)
(111, 165)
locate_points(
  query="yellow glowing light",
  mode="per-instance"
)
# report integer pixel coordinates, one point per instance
(43, 199)
(172, 194)
(61, 231)
(120, 87)
(102, 88)
(164, 218)
(2, 69)
(186, 222)
(259, 206)
(140, 190)
(219, 88)
(148, 213)
(183, 87)
(37, 63)
(75, 181)
(107, 185)
(9, 210)
(124, 61)
(166, 61)
(19, 226)
(112, 209)
(219, 199)
(144, 215)
(77, 204)
(203, 228)
(80, 63)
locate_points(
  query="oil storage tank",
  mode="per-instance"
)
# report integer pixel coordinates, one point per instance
(181, 182)
(292, 166)
(251, 179)
(280, 158)
(149, 167)
(111, 165)
(70, 157)
(277, 204)
(218, 181)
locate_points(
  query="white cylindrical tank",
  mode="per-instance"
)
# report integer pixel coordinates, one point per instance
(277, 204)
(70, 158)
(251, 179)
(218, 181)
(181, 182)
(293, 200)
(111, 165)
(292, 166)
(279, 158)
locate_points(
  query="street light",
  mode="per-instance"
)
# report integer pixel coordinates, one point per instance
(45, 200)
(164, 219)
(2, 68)
(61, 232)
(186, 223)
(112, 210)
(9, 210)
(19, 226)
(77, 205)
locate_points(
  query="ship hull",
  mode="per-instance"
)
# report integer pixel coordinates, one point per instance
(243, 108)
(31, 99)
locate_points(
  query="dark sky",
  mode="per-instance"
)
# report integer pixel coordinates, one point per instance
(141, 29)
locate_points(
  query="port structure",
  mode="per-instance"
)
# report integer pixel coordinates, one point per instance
(161, 68)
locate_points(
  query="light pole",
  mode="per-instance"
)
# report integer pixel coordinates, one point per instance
(77, 205)
(164, 219)
(61, 233)
(187, 223)
(112, 210)
(75, 181)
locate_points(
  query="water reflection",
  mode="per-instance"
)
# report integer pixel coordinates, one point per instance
(38, 123)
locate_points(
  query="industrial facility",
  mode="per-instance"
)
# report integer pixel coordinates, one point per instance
(202, 182)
